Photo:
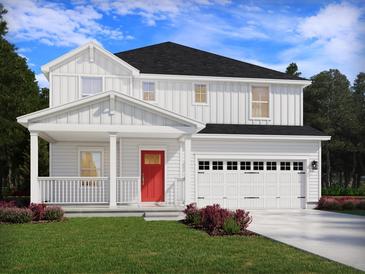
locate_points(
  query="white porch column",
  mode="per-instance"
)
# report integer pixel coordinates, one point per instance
(113, 170)
(187, 144)
(34, 185)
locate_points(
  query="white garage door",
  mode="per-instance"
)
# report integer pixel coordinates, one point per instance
(251, 184)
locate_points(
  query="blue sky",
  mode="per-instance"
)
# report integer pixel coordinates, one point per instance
(317, 35)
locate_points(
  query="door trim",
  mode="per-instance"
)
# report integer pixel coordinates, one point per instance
(151, 148)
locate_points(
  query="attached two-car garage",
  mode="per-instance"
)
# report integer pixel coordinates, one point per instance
(251, 184)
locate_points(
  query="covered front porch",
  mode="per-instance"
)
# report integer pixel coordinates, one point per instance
(112, 159)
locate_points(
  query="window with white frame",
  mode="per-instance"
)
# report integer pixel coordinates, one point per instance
(260, 102)
(200, 94)
(91, 163)
(149, 91)
(91, 85)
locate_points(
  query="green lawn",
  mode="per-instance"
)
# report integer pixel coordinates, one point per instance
(360, 212)
(131, 245)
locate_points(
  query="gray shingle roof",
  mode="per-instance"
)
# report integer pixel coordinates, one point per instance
(260, 129)
(176, 59)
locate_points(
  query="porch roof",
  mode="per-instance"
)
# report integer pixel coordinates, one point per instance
(108, 112)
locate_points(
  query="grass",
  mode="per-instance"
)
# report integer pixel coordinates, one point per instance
(131, 245)
(359, 212)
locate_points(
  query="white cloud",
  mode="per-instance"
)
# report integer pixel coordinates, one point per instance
(54, 24)
(42, 80)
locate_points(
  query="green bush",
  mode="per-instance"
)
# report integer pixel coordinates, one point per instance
(337, 190)
(15, 215)
(53, 213)
(230, 226)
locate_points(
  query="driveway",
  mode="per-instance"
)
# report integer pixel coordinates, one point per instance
(336, 236)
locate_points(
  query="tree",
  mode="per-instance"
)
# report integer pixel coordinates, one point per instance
(292, 69)
(328, 105)
(19, 94)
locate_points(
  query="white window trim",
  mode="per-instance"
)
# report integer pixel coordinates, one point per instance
(193, 94)
(90, 149)
(142, 92)
(270, 103)
(90, 76)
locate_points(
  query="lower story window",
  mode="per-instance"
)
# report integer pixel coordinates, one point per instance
(203, 165)
(90, 166)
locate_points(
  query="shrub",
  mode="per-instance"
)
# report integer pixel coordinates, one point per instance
(7, 204)
(361, 204)
(53, 213)
(213, 217)
(332, 204)
(242, 218)
(15, 215)
(336, 190)
(192, 215)
(349, 204)
(230, 226)
(38, 211)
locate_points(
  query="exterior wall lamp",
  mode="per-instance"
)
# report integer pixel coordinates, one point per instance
(314, 165)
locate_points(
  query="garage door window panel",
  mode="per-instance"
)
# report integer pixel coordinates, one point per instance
(232, 165)
(245, 165)
(204, 165)
(284, 166)
(270, 165)
(217, 165)
(298, 166)
(258, 165)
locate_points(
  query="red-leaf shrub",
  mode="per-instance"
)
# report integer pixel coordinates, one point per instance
(213, 218)
(192, 215)
(349, 204)
(15, 215)
(361, 205)
(242, 218)
(53, 213)
(7, 204)
(38, 211)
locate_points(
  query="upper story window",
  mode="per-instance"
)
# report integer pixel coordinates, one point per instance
(260, 102)
(91, 85)
(200, 94)
(149, 91)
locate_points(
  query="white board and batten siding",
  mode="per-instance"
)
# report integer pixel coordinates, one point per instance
(65, 78)
(99, 112)
(228, 101)
(306, 151)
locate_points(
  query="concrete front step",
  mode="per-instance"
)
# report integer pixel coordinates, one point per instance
(163, 216)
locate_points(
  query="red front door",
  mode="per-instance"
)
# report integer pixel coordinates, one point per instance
(152, 175)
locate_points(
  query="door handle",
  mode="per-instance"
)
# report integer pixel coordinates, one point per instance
(142, 179)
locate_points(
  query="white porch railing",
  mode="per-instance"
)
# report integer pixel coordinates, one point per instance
(176, 192)
(74, 190)
(128, 190)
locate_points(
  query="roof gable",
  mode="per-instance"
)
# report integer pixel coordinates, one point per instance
(176, 59)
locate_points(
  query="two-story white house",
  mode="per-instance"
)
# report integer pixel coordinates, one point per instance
(169, 125)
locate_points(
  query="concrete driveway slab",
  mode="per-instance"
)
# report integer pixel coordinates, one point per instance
(336, 236)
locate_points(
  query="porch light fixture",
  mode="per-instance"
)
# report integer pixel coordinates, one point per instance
(314, 165)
